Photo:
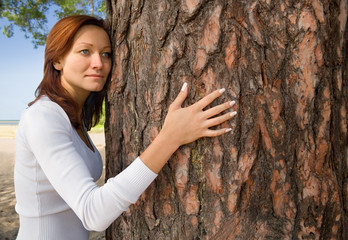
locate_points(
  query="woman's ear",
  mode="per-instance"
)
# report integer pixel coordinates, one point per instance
(57, 65)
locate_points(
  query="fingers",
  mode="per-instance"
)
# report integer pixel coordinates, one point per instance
(218, 120)
(218, 109)
(192, 122)
(211, 122)
(219, 132)
(209, 98)
(180, 98)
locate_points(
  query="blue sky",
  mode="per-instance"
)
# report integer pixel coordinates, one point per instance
(21, 68)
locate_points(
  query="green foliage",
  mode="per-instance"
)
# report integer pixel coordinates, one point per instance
(100, 126)
(31, 15)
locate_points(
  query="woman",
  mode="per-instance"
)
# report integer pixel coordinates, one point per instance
(56, 162)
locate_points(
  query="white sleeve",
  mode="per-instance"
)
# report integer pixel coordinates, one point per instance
(49, 137)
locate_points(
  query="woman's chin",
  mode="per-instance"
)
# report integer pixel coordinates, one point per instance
(97, 88)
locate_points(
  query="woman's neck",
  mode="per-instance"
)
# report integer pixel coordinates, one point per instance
(78, 95)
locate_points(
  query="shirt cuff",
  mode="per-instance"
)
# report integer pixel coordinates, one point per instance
(134, 180)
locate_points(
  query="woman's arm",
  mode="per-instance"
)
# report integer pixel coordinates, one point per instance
(47, 140)
(185, 125)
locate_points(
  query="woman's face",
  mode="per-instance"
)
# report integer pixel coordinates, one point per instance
(86, 66)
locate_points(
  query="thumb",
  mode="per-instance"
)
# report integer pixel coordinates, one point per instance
(180, 98)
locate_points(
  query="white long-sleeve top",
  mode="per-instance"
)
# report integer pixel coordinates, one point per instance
(55, 174)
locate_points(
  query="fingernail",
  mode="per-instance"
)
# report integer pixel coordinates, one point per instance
(232, 103)
(184, 87)
(232, 114)
(228, 130)
(222, 90)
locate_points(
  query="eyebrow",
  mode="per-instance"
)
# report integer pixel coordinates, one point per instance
(90, 44)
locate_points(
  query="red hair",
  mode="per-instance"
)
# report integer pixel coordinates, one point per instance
(58, 44)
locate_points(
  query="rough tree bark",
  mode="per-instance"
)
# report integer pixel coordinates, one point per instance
(283, 172)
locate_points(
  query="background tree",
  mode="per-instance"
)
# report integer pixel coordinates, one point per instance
(31, 15)
(283, 172)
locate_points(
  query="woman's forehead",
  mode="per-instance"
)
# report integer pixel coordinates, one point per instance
(92, 35)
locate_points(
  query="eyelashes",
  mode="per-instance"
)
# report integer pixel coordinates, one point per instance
(106, 54)
(86, 52)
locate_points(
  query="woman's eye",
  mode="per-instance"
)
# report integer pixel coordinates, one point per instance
(84, 51)
(106, 54)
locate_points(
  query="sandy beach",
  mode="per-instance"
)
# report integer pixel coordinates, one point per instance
(8, 217)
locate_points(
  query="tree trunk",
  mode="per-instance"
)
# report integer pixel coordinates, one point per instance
(283, 171)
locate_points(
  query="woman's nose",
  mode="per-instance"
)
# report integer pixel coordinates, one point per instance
(96, 61)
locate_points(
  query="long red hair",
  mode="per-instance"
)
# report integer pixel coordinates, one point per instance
(58, 44)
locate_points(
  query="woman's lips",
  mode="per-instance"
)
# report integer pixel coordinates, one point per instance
(95, 76)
